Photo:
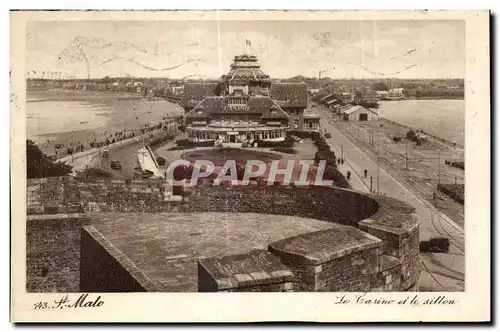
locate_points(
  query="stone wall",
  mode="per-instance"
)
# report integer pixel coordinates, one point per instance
(55, 213)
(71, 194)
(330, 204)
(105, 269)
(393, 265)
(256, 271)
(53, 253)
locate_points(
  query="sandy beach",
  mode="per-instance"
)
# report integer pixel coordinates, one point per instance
(67, 117)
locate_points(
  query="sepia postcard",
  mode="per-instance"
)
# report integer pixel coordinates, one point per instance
(250, 166)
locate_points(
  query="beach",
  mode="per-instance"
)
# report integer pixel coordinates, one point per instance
(67, 116)
(444, 118)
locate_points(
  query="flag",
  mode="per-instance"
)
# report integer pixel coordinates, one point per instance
(248, 43)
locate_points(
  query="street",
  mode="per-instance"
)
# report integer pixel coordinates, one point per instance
(440, 272)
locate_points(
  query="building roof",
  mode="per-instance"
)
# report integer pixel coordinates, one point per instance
(206, 107)
(289, 94)
(256, 105)
(317, 96)
(324, 98)
(196, 92)
(350, 109)
(311, 115)
(252, 74)
(267, 107)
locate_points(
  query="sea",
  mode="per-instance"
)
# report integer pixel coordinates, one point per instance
(53, 117)
(444, 118)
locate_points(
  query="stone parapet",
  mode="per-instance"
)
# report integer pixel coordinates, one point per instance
(256, 271)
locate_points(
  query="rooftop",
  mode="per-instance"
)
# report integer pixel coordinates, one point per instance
(165, 247)
(325, 245)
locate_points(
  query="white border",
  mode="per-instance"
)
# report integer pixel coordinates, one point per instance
(219, 307)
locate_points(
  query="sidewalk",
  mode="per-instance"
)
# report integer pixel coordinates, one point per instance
(440, 271)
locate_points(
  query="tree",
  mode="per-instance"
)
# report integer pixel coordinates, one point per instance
(161, 161)
(410, 134)
(39, 165)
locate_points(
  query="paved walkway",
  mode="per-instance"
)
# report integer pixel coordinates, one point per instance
(440, 272)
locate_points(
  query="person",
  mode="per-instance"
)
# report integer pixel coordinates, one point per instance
(342, 161)
(348, 175)
(338, 161)
(366, 173)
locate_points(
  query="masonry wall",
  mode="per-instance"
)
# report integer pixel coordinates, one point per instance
(364, 270)
(329, 204)
(388, 219)
(101, 270)
(53, 247)
(55, 210)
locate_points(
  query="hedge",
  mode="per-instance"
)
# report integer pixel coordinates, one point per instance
(190, 144)
(287, 143)
(285, 150)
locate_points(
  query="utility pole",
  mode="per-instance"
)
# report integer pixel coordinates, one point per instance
(371, 183)
(342, 152)
(439, 168)
(406, 155)
(378, 174)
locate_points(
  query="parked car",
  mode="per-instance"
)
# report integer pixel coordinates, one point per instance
(328, 135)
(105, 154)
(115, 164)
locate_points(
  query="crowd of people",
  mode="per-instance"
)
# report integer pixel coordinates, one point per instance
(108, 139)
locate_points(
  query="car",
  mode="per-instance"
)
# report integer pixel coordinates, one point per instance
(105, 154)
(115, 164)
(328, 135)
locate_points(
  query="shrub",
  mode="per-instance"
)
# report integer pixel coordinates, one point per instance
(96, 173)
(39, 165)
(411, 135)
(175, 148)
(160, 140)
(285, 150)
(191, 144)
(287, 143)
(300, 134)
(161, 161)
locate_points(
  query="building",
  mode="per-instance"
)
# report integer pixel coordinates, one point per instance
(311, 122)
(244, 105)
(370, 97)
(346, 97)
(357, 113)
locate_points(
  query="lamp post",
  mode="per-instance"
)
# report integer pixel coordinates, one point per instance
(378, 171)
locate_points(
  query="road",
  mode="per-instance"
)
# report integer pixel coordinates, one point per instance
(440, 272)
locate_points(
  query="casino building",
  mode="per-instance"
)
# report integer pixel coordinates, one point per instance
(245, 106)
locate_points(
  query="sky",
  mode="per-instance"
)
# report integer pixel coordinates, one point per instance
(204, 49)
